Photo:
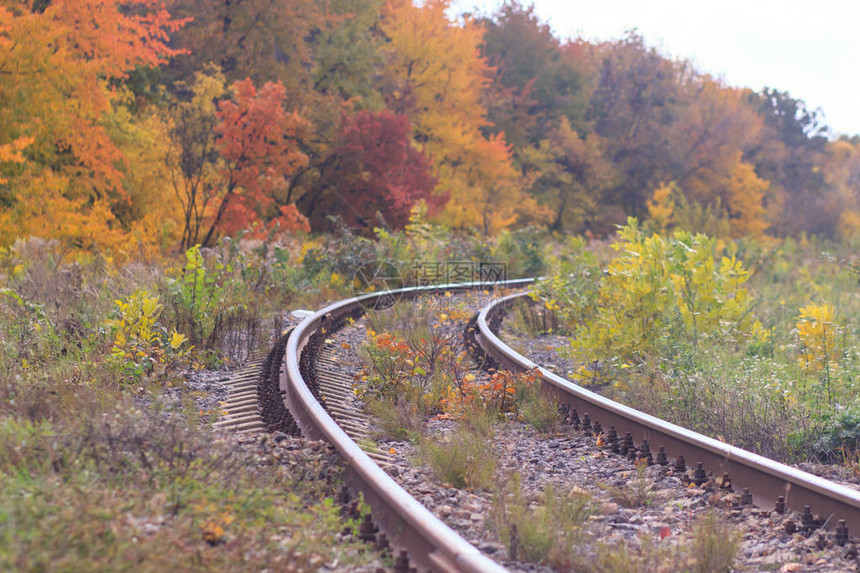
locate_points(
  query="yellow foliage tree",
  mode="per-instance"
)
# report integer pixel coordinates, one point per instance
(60, 63)
(153, 215)
(439, 76)
(745, 192)
(45, 208)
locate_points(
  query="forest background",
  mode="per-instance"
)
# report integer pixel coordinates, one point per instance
(129, 127)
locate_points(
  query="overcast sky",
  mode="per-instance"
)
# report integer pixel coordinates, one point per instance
(810, 49)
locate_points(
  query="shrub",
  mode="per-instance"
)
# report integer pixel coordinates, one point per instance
(570, 291)
(140, 341)
(195, 296)
(658, 291)
(817, 331)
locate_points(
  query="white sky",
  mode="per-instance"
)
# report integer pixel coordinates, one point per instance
(810, 49)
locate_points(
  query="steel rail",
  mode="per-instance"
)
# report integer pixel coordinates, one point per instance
(765, 478)
(429, 542)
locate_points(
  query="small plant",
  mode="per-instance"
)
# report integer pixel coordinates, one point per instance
(839, 439)
(196, 295)
(712, 549)
(140, 341)
(550, 529)
(817, 330)
(463, 460)
(650, 557)
(715, 545)
(398, 417)
(637, 492)
(501, 394)
(540, 410)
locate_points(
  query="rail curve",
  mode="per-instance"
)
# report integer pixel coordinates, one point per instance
(767, 480)
(424, 541)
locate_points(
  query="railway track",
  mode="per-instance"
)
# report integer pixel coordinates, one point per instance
(300, 389)
(240, 405)
(769, 484)
(422, 541)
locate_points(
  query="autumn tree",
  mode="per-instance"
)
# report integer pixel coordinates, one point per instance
(570, 173)
(714, 128)
(435, 68)
(374, 169)
(347, 52)
(539, 100)
(152, 218)
(256, 142)
(632, 107)
(842, 177)
(537, 81)
(257, 39)
(61, 67)
(192, 159)
(790, 156)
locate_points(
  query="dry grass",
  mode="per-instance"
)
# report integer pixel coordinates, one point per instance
(711, 548)
(551, 529)
(464, 459)
(100, 471)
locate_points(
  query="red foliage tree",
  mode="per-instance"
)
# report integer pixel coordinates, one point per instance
(257, 141)
(376, 169)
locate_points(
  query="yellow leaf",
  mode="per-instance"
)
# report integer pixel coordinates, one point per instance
(177, 340)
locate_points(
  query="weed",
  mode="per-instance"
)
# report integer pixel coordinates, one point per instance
(637, 492)
(540, 410)
(715, 545)
(463, 460)
(195, 296)
(140, 341)
(550, 529)
(397, 417)
(711, 549)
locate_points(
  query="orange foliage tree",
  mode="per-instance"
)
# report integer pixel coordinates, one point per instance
(60, 67)
(256, 139)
